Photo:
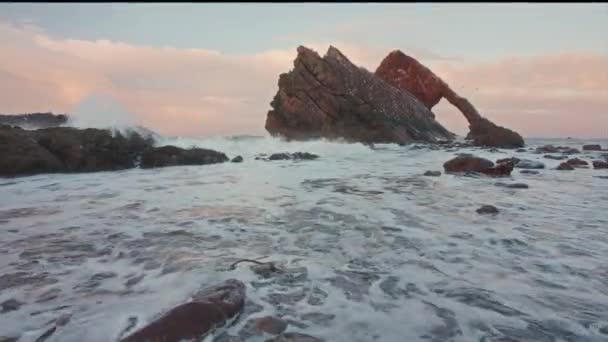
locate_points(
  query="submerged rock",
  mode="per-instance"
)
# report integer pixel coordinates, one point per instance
(593, 147)
(289, 156)
(487, 209)
(529, 164)
(432, 173)
(237, 159)
(511, 160)
(209, 309)
(296, 337)
(10, 305)
(470, 163)
(577, 162)
(529, 172)
(565, 166)
(406, 73)
(330, 97)
(263, 325)
(171, 156)
(600, 164)
(548, 156)
(512, 185)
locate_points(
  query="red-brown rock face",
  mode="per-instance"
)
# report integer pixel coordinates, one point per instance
(330, 97)
(406, 73)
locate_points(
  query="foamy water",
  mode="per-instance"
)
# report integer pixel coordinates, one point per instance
(373, 250)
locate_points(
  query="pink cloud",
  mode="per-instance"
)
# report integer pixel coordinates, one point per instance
(199, 91)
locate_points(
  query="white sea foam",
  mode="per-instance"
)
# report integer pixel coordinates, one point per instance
(393, 255)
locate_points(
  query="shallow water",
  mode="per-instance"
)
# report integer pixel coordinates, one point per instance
(373, 250)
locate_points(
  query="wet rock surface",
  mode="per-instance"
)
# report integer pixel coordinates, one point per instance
(565, 167)
(592, 147)
(468, 163)
(487, 209)
(237, 159)
(512, 185)
(432, 173)
(172, 156)
(34, 120)
(330, 97)
(209, 309)
(288, 156)
(600, 164)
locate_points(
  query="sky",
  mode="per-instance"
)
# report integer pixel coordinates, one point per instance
(204, 69)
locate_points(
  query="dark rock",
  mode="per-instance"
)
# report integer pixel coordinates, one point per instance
(20, 154)
(547, 149)
(292, 156)
(279, 156)
(171, 156)
(521, 150)
(260, 326)
(237, 159)
(529, 164)
(548, 156)
(67, 149)
(512, 185)
(9, 339)
(210, 308)
(487, 209)
(599, 164)
(34, 120)
(406, 73)
(577, 162)
(10, 305)
(332, 98)
(432, 173)
(296, 337)
(565, 166)
(469, 163)
(511, 160)
(594, 147)
(529, 172)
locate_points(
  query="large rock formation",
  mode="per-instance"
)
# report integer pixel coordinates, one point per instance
(68, 149)
(34, 120)
(406, 73)
(332, 98)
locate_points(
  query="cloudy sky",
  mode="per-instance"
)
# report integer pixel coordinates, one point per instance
(211, 69)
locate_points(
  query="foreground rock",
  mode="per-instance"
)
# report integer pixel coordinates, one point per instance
(34, 120)
(172, 156)
(68, 149)
(332, 98)
(406, 73)
(237, 159)
(210, 309)
(487, 209)
(469, 163)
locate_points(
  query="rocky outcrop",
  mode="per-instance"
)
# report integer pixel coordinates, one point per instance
(600, 164)
(34, 120)
(209, 309)
(592, 147)
(330, 97)
(468, 163)
(172, 156)
(68, 149)
(409, 75)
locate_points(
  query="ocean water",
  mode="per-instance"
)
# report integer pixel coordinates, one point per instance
(372, 250)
